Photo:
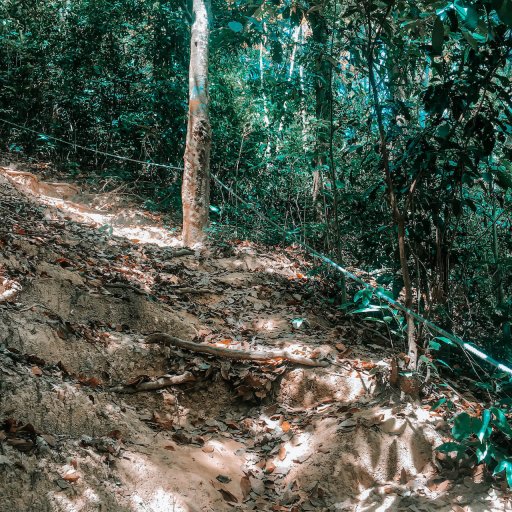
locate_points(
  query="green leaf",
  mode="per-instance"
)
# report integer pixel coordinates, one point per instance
(440, 361)
(450, 447)
(437, 37)
(448, 341)
(486, 418)
(502, 465)
(433, 345)
(462, 426)
(371, 309)
(505, 12)
(501, 421)
(482, 452)
(504, 179)
(443, 131)
(508, 470)
(298, 322)
(235, 26)
(441, 401)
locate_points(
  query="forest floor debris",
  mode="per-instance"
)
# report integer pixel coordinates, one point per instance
(80, 294)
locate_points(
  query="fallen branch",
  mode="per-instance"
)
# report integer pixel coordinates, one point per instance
(160, 383)
(172, 341)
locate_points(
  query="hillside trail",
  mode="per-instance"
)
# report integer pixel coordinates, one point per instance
(86, 276)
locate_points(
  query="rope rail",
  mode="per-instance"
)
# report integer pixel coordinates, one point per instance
(469, 346)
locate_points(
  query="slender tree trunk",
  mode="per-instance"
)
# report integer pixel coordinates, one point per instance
(500, 291)
(399, 217)
(196, 176)
(319, 31)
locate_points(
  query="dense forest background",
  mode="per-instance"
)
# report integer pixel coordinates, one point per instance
(379, 132)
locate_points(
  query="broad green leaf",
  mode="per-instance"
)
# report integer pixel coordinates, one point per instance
(433, 345)
(437, 36)
(508, 471)
(482, 452)
(235, 26)
(450, 447)
(505, 13)
(443, 131)
(504, 179)
(502, 465)
(486, 418)
(501, 421)
(462, 426)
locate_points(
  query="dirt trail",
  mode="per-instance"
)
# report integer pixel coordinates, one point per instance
(80, 288)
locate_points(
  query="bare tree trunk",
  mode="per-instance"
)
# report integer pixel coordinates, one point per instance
(196, 176)
(398, 216)
(319, 29)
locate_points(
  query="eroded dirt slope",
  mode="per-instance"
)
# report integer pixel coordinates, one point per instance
(85, 278)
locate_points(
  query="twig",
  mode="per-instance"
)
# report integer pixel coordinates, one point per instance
(160, 383)
(172, 341)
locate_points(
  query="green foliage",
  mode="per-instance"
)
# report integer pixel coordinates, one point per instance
(485, 438)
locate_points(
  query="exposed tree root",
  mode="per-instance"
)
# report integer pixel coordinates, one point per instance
(160, 383)
(171, 341)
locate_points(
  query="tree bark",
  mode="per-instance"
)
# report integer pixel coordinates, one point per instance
(196, 176)
(319, 29)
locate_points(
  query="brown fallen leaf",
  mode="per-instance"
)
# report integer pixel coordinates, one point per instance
(282, 453)
(165, 422)
(207, 449)
(245, 486)
(269, 467)
(228, 496)
(93, 382)
(285, 426)
(180, 438)
(23, 445)
(71, 476)
(37, 371)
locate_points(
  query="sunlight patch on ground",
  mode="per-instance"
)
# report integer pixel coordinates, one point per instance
(85, 500)
(386, 506)
(161, 501)
(145, 234)
(122, 224)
